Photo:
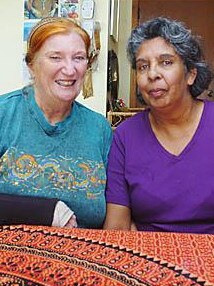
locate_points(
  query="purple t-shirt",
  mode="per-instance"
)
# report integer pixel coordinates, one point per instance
(165, 192)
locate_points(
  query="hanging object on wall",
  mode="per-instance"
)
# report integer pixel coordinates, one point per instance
(69, 9)
(112, 80)
(93, 29)
(95, 46)
(37, 9)
(87, 10)
(93, 61)
(87, 90)
(114, 20)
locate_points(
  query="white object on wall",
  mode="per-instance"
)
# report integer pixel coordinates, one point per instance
(87, 11)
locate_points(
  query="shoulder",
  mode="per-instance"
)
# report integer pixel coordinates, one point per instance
(11, 95)
(11, 100)
(87, 111)
(209, 104)
(95, 124)
(90, 115)
(130, 125)
(208, 112)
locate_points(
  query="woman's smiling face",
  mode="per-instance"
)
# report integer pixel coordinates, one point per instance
(161, 74)
(59, 67)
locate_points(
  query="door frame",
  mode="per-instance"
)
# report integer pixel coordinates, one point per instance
(133, 84)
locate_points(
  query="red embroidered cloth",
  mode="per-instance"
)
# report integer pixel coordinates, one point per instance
(32, 255)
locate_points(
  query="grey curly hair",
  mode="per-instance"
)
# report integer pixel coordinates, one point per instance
(187, 46)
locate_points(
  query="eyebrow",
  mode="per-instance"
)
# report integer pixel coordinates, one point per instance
(60, 52)
(167, 56)
(162, 56)
(50, 52)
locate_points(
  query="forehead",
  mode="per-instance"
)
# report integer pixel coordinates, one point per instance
(154, 48)
(64, 42)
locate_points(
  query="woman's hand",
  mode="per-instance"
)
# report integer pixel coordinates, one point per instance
(72, 223)
(133, 226)
(64, 216)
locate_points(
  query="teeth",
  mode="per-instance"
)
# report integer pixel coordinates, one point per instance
(65, 82)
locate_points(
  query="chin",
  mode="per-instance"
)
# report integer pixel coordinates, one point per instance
(67, 96)
(68, 99)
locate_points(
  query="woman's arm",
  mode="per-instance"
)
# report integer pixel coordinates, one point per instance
(16, 209)
(117, 217)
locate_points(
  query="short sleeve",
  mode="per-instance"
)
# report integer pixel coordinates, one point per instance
(117, 188)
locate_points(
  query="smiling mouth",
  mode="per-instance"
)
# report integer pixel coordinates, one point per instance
(66, 83)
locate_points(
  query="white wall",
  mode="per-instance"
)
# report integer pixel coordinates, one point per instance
(11, 31)
(11, 22)
(125, 25)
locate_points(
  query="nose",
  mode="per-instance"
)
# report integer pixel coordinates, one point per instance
(69, 67)
(153, 72)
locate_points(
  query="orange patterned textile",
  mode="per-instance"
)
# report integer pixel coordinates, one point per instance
(36, 255)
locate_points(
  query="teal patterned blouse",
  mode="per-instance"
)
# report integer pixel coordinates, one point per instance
(65, 161)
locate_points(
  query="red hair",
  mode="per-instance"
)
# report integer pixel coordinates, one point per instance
(48, 27)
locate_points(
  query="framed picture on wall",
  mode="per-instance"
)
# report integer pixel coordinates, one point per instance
(38, 9)
(114, 25)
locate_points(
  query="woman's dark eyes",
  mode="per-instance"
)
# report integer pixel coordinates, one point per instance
(77, 59)
(144, 67)
(55, 57)
(167, 62)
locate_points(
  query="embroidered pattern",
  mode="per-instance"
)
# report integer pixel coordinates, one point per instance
(51, 256)
(45, 173)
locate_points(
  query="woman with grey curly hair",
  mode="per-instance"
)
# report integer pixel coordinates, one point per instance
(161, 163)
(186, 45)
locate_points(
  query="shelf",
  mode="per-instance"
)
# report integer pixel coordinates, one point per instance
(116, 117)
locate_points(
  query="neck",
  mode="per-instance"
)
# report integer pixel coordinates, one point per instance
(177, 116)
(174, 131)
(54, 111)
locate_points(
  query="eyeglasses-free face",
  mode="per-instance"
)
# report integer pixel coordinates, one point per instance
(59, 67)
(161, 74)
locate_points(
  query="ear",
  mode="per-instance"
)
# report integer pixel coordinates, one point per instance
(191, 76)
(30, 69)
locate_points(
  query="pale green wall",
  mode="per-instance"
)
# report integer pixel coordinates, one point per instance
(11, 44)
